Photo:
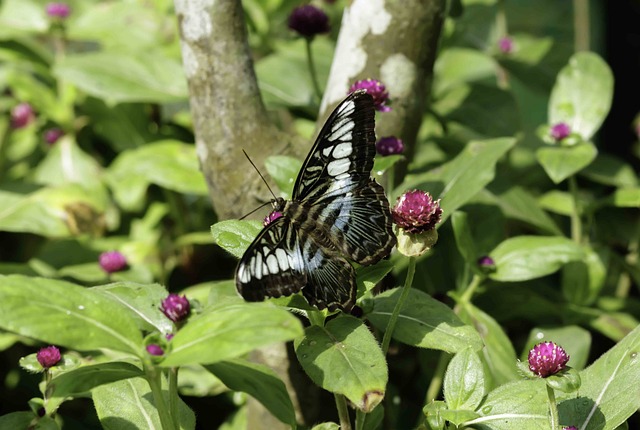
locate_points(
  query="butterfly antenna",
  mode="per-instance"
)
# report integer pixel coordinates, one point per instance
(255, 210)
(262, 177)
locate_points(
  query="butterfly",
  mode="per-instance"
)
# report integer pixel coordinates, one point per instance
(337, 214)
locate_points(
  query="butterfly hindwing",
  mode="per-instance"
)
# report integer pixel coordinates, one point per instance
(273, 265)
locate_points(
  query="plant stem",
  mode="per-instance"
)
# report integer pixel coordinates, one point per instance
(581, 25)
(153, 376)
(391, 325)
(576, 222)
(312, 69)
(471, 289)
(438, 376)
(553, 409)
(360, 417)
(173, 395)
(343, 412)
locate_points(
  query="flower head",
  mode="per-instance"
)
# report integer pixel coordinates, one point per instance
(271, 218)
(486, 261)
(376, 89)
(58, 10)
(569, 428)
(22, 115)
(416, 212)
(112, 261)
(560, 131)
(505, 45)
(52, 135)
(547, 358)
(175, 307)
(309, 21)
(389, 145)
(48, 356)
(154, 349)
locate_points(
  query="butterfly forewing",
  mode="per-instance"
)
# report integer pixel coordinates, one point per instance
(273, 265)
(337, 211)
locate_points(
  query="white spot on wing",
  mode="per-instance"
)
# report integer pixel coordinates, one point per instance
(341, 129)
(338, 167)
(283, 259)
(342, 150)
(272, 264)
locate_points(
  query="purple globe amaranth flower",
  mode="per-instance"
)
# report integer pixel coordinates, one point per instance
(570, 428)
(416, 212)
(52, 135)
(560, 131)
(22, 115)
(48, 356)
(486, 261)
(309, 21)
(389, 145)
(271, 218)
(112, 261)
(505, 44)
(175, 307)
(169, 336)
(547, 358)
(376, 89)
(58, 10)
(154, 349)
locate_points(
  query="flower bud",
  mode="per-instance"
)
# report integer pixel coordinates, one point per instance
(547, 358)
(376, 89)
(175, 307)
(309, 21)
(112, 261)
(48, 356)
(389, 145)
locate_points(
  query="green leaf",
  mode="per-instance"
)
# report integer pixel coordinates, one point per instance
(424, 322)
(17, 420)
(559, 202)
(433, 414)
(369, 276)
(610, 390)
(609, 170)
(529, 257)
(615, 325)
(583, 280)
(66, 162)
(284, 171)
(118, 77)
(560, 162)
(625, 198)
(344, 358)
(83, 379)
(498, 355)
(458, 416)
(326, 426)
(464, 381)
(459, 180)
(129, 404)
(573, 339)
(464, 240)
(168, 163)
(260, 382)
(65, 314)
(518, 203)
(582, 94)
(383, 163)
(520, 404)
(235, 236)
(142, 301)
(228, 331)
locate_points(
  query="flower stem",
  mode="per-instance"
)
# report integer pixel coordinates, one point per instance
(391, 325)
(312, 69)
(154, 377)
(438, 376)
(360, 418)
(581, 25)
(553, 409)
(576, 222)
(173, 395)
(343, 412)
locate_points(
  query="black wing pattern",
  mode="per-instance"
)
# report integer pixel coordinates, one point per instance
(337, 211)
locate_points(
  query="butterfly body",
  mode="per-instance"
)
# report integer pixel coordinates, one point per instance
(337, 213)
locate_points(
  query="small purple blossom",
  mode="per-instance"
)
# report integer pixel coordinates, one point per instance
(376, 89)
(547, 358)
(389, 145)
(175, 307)
(309, 21)
(52, 135)
(169, 336)
(486, 262)
(416, 212)
(271, 218)
(569, 428)
(22, 115)
(560, 131)
(505, 44)
(48, 356)
(58, 10)
(154, 349)
(112, 261)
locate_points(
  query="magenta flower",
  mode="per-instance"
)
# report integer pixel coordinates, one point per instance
(570, 428)
(309, 21)
(175, 307)
(22, 115)
(52, 135)
(271, 218)
(547, 358)
(505, 45)
(376, 89)
(154, 349)
(560, 131)
(169, 336)
(48, 356)
(112, 261)
(389, 145)
(416, 212)
(58, 10)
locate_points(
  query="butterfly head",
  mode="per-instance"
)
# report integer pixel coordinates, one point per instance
(274, 215)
